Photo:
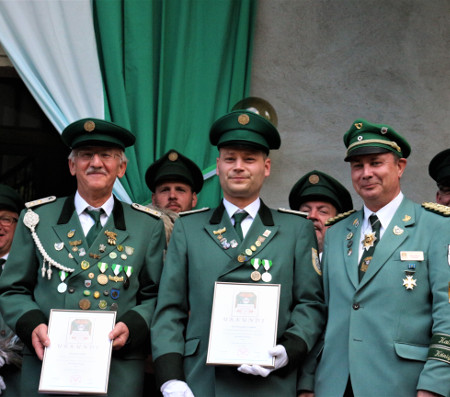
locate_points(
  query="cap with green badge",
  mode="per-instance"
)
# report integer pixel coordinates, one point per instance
(369, 138)
(96, 132)
(173, 166)
(439, 168)
(245, 128)
(10, 200)
(318, 186)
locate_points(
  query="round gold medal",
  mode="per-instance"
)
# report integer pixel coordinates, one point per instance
(248, 251)
(255, 276)
(241, 258)
(84, 304)
(102, 279)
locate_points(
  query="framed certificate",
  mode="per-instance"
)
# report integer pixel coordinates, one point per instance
(79, 356)
(244, 323)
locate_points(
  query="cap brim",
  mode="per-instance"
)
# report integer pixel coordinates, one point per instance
(362, 150)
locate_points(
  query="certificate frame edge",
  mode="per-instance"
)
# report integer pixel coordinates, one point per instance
(275, 328)
(69, 392)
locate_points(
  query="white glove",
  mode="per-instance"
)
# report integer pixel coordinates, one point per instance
(281, 359)
(2, 384)
(176, 388)
(2, 361)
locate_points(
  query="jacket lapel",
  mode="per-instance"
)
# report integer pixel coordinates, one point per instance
(222, 231)
(350, 246)
(394, 235)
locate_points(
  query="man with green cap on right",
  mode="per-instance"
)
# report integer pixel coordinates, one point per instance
(322, 197)
(439, 170)
(241, 241)
(386, 278)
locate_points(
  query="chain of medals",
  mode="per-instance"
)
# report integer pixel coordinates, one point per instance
(30, 220)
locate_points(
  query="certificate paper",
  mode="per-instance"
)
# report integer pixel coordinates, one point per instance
(78, 358)
(244, 324)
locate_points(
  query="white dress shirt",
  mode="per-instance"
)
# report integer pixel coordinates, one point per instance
(252, 210)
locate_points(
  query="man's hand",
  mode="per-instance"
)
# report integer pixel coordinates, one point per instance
(306, 394)
(176, 388)
(40, 340)
(119, 335)
(281, 359)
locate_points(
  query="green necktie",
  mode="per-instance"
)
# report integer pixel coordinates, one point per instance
(238, 218)
(367, 255)
(96, 228)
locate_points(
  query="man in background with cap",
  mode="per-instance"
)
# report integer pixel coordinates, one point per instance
(11, 204)
(243, 241)
(90, 252)
(386, 276)
(322, 197)
(174, 181)
(439, 170)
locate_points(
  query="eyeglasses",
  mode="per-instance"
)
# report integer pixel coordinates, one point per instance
(7, 220)
(105, 156)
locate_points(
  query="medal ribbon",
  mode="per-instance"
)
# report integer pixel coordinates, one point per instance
(128, 270)
(63, 275)
(102, 266)
(267, 264)
(255, 263)
(117, 269)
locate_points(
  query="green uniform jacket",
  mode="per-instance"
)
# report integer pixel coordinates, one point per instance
(196, 260)
(26, 297)
(378, 331)
(9, 372)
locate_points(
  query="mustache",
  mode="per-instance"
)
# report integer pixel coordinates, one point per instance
(95, 170)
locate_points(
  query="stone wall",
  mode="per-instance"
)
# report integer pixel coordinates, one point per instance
(322, 64)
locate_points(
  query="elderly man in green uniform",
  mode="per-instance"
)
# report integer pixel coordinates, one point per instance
(322, 197)
(174, 181)
(11, 204)
(89, 251)
(386, 280)
(439, 170)
(243, 241)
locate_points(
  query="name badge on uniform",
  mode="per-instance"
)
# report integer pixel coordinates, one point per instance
(411, 256)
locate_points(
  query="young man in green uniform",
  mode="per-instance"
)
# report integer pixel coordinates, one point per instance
(90, 252)
(174, 181)
(386, 280)
(205, 247)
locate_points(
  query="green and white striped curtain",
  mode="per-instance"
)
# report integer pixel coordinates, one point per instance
(166, 69)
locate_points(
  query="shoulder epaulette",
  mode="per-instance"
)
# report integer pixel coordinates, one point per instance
(437, 208)
(288, 211)
(41, 201)
(338, 217)
(147, 210)
(184, 213)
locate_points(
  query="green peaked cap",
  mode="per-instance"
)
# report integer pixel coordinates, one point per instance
(318, 186)
(364, 137)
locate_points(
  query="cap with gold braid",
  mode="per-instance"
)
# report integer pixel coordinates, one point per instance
(369, 138)
(245, 128)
